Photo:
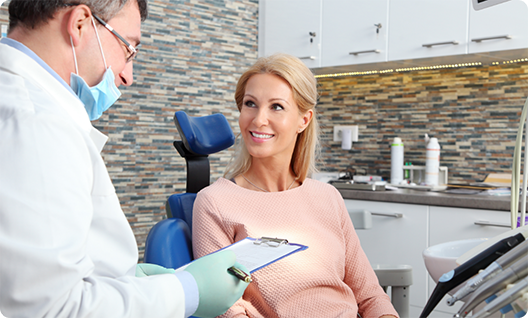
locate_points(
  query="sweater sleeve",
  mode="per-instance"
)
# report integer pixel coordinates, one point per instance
(210, 233)
(372, 301)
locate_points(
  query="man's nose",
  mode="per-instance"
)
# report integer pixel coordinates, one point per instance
(126, 76)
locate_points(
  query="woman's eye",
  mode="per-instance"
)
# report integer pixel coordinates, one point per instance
(277, 107)
(249, 104)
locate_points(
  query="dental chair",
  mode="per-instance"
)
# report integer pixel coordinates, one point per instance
(169, 242)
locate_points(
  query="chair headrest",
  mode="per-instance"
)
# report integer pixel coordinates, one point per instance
(204, 135)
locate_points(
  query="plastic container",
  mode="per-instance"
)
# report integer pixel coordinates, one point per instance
(396, 161)
(432, 162)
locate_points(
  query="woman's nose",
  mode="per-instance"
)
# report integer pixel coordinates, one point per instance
(261, 117)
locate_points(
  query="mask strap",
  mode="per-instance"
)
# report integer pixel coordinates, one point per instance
(74, 57)
(99, 41)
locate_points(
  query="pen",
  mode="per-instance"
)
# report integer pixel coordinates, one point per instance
(240, 274)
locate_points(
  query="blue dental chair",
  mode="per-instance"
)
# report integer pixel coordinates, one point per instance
(169, 241)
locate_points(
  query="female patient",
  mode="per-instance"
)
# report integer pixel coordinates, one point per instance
(266, 192)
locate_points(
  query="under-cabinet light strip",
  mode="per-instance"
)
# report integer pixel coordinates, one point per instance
(420, 68)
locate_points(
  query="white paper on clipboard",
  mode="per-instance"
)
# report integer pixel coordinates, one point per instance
(256, 256)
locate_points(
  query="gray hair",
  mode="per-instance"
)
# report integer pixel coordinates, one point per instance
(32, 13)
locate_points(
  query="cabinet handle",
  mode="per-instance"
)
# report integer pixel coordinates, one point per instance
(307, 58)
(488, 223)
(393, 215)
(361, 52)
(440, 43)
(506, 37)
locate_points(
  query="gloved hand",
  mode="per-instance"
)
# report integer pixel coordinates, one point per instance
(145, 269)
(218, 289)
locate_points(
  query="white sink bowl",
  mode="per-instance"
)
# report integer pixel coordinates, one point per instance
(440, 259)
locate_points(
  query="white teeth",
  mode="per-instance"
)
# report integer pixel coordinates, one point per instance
(262, 136)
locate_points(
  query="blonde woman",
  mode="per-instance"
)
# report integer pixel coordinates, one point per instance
(266, 192)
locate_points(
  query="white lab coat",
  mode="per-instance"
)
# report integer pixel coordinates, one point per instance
(66, 248)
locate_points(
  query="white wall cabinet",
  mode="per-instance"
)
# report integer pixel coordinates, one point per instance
(501, 27)
(401, 241)
(427, 28)
(292, 27)
(354, 32)
(412, 33)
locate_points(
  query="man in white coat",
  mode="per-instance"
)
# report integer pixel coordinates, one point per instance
(66, 248)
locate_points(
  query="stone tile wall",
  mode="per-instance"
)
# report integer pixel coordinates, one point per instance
(473, 111)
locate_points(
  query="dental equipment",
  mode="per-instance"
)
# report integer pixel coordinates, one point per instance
(509, 296)
(516, 172)
(460, 274)
(491, 271)
(516, 271)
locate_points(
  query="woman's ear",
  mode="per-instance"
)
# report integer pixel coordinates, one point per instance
(306, 119)
(78, 23)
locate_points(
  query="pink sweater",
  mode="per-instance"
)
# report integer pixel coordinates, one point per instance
(332, 278)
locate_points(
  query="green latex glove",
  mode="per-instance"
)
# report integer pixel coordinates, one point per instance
(218, 289)
(145, 269)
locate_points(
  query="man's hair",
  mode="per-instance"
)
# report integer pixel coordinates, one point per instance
(32, 13)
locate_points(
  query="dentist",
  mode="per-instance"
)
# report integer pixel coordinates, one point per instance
(66, 248)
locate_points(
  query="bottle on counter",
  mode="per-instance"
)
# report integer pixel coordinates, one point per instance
(432, 162)
(407, 172)
(396, 161)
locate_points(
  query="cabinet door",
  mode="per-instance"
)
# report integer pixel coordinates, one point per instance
(453, 224)
(354, 32)
(292, 27)
(397, 241)
(500, 27)
(427, 28)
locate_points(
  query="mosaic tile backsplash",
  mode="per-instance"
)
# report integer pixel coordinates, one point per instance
(474, 112)
(194, 51)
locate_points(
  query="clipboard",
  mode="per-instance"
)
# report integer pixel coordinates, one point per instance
(257, 253)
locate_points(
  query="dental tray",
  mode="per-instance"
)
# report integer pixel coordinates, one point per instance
(350, 185)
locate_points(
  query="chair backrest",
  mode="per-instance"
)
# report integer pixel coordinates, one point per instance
(180, 206)
(169, 242)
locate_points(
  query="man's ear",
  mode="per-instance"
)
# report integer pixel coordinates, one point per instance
(78, 23)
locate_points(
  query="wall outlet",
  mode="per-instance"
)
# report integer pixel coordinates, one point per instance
(338, 136)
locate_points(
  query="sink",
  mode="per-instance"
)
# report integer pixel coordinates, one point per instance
(441, 258)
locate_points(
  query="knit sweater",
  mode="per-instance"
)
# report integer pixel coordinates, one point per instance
(332, 278)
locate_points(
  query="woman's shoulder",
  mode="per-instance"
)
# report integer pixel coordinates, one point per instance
(218, 187)
(316, 185)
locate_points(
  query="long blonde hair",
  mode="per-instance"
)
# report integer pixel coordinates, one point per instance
(304, 89)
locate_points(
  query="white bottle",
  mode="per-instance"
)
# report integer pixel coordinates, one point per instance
(396, 161)
(432, 162)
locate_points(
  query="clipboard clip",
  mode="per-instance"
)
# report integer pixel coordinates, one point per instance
(270, 241)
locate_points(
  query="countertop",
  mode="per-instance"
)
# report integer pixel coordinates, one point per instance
(409, 196)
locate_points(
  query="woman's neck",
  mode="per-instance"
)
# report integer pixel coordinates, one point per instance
(268, 176)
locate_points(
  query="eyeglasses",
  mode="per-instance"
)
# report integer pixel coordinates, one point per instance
(131, 51)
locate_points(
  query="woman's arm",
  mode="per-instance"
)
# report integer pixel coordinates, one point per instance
(359, 275)
(210, 233)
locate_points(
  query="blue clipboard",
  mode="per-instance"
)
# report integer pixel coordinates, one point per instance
(257, 253)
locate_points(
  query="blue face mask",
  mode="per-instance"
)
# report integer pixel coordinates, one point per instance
(100, 97)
